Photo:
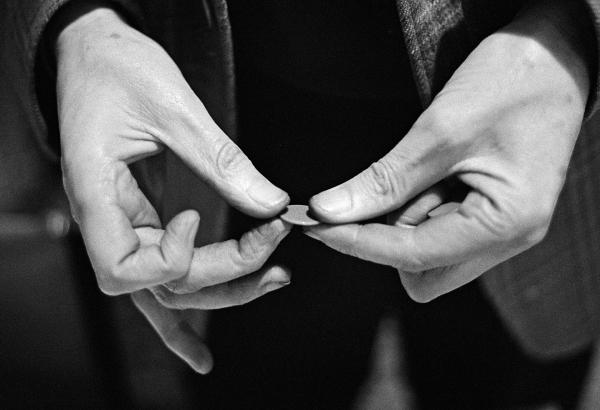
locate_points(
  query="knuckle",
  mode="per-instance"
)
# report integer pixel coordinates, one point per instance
(115, 280)
(518, 223)
(535, 222)
(176, 263)
(382, 179)
(529, 220)
(251, 253)
(230, 160)
(536, 236)
(440, 120)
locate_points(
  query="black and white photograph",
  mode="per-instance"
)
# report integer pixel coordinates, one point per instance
(300, 204)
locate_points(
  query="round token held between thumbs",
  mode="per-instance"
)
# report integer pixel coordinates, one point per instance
(298, 215)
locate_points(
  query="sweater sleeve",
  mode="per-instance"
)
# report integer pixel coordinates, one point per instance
(22, 27)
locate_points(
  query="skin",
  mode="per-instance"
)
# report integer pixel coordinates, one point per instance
(120, 99)
(505, 126)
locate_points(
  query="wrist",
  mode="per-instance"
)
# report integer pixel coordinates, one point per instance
(546, 43)
(563, 32)
(81, 23)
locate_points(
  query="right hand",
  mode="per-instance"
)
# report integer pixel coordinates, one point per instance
(120, 99)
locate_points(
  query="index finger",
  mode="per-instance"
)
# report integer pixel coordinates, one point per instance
(440, 241)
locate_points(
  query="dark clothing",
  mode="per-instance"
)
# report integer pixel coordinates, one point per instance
(319, 105)
(315, 107)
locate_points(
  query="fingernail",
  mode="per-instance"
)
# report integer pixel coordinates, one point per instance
(193, 228)
(311, 234)
(444, 209)
(270, 287)
(266, 194)
(334, 201)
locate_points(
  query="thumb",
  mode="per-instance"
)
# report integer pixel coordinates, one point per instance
(415, 164)
(215, 158)
(177, 243)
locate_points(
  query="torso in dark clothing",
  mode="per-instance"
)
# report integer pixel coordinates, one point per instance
(324, 89)
(321, 93)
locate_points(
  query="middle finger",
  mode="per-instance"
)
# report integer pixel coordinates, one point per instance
(225, 261)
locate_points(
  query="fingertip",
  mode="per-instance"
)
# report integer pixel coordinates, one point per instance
(331, 206)
(280, 274)
(270, 199)
(190, 217)
(204, 367)
(193, 215)
(185, 225)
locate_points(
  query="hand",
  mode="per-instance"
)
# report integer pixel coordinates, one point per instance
(121, 98)
(505, 126)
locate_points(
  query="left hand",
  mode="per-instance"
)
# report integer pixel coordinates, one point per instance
(505, 126)
(121, 98)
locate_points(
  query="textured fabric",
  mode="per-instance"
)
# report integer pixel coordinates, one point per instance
(439, 35)
(425, 23)
(22, 24)
(353, 49)
(549, 296)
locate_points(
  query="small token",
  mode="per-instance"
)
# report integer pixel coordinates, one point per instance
(298, 215)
